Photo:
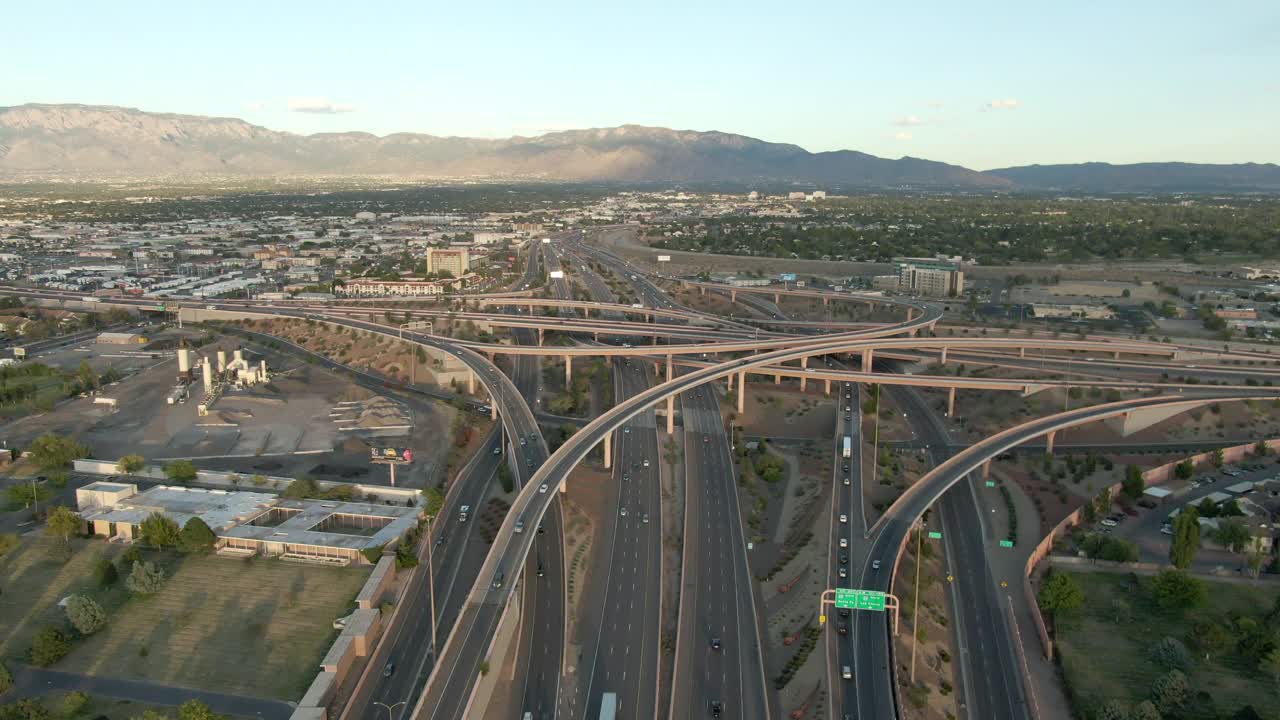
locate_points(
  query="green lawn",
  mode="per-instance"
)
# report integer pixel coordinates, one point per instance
(1105, 656)
(254, 627)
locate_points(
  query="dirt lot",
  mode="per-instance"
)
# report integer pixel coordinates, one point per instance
(931, 696)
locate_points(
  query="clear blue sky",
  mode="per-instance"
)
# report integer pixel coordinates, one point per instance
(983, 83)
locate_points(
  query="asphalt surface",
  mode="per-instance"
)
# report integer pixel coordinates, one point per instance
(717, 596)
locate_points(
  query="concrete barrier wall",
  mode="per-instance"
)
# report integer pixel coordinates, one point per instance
(383, 573)
(1154, 476)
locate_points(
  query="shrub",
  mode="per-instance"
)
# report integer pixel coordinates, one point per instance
(105, 572)
(86, 615)
(159, 530)
(6, 679)
(145, 578)
(49, 646)
(72, 703)
(130, 464)
(196, 537)
(1171, 654)
(182, 471)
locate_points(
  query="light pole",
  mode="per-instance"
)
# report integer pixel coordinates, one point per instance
(915, 612)
(390, 708)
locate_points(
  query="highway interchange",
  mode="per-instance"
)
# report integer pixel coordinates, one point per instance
(718, 658)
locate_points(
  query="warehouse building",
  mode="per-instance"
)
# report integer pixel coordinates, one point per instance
(121, 338)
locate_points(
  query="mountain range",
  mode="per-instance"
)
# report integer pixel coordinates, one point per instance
(38, 140)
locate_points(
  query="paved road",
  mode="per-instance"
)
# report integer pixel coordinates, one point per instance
(717, 596)
(31, 682)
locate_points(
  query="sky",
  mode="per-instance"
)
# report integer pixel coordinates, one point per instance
(984, 84)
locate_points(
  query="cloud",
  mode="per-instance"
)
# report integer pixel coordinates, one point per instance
(908, 121)
(1006, 104)
(902, 136)
(317, 105)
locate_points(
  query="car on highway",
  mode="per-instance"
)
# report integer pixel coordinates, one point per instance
(715, 643)
(706, 438)
(845, 467)
(846, 480)
(622, 511)
(717, 708)
(844, 542)
(846, 672)
(519, 525)
(842, 628)
(844, 518)
(844, 574)
(646, 462)
(543, 487)
(875, 564)
(497, 579)
(389, 669)
(626, 477)
(522, 442)
(497, 451)
(844, 558)
(626, 429)
(645, 518)
(463, 512)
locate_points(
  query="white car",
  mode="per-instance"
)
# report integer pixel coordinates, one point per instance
(844, 542)
(1108, 522)
(543, 487)
(844, 518)
(875, 564)
(646, 462)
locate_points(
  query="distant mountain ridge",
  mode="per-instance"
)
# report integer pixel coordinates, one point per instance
(93, 140)
(1145, 177)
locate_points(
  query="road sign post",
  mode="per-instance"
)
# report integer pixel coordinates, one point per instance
(935, 535)
(852, 599)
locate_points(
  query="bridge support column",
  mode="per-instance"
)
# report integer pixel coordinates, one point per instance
(951, 402)
(868, 357)
(911, 314)
(777, 379)
(826, 301)
(493, 409)
(471, 382)
(944, 355)
(742, 390)
(671, 414)
(1115, 355)
(568, 371)
(729, 380)
(540, 331)
(608, 361)
(733, 296)
(1048, 441)
(826, 390)
(804, 364)
(595, 336)
(1022, 352)
(986, 469)
(668, 368)
(608, 451)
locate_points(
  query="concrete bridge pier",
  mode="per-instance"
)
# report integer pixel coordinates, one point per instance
(1022, 352)
(951, 402)
(1048, 440)
(868, 357)
(742, 390)
(671, 414)
(540, 333)
(777, 379)
(471, 382)
(777, 298)
(944, 355)
(827, 388)
(568, 371)
(733, 295)
(608, 451)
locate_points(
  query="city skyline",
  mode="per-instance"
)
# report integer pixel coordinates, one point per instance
(984, 88)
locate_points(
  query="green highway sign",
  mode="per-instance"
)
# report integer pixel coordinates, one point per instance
(1006, 543)
(991, 483)
(935, 535)
(860, 599)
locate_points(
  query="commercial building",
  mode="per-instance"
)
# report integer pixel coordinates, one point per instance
(929, 276)
(1237, 313)
(401, 288)
(120, 338)
(249, 523)
(1081, 312)
(455, 261)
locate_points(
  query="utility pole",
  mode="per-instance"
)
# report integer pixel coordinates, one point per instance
(915, 611)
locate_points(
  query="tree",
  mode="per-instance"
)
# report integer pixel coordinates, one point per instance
(48, 647)
(1271, 665)
(105, 573)
(1171, 654)
(6, 679)
(61, 524)
(1232, 535)
(1113, 710)
(1059, 593)
(1184, 470)
(196, 537)
(1169, 691)
(1177, 590)
(72, 703)
(303, 487)
(433, 501)
(25, 709)
(182, 471)
(159, 530)
(1218, 457)
(1209, 637)
(1102, 503)
(196, 710)
(86, 615)
(1260, 449)
(145, 578)
(52, 452)
(130, 464)
(1133, 483)
(1145, 710)
(1186, 538)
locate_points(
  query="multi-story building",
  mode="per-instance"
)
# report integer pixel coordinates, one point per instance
(455, 261)
(929, 276)
(384, 288)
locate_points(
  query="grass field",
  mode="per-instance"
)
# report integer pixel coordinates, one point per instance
(254, 627)
(1105, 656)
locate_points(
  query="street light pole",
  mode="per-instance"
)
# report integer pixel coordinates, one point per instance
(390, 708)
(915, 612)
